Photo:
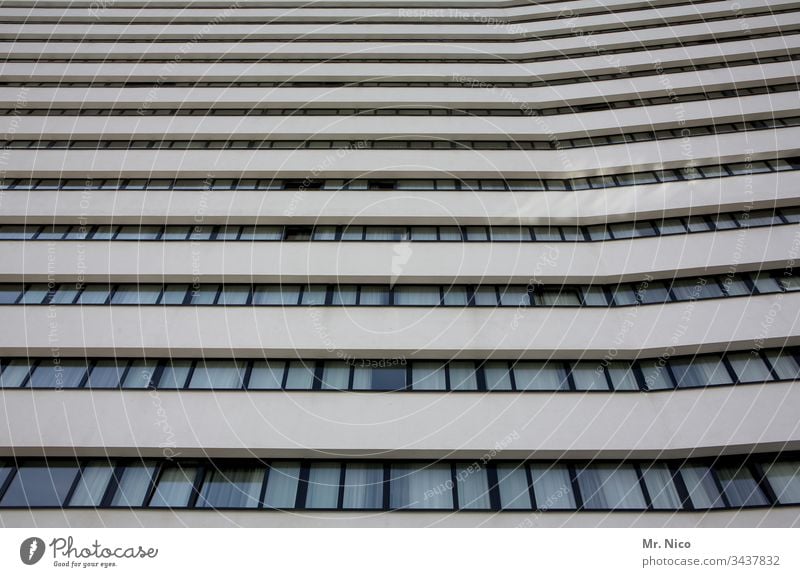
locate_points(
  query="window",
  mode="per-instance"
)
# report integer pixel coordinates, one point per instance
(784, 364)
(175, 374)
(140, 375)
(14, 373)
(363, 486)
(37, 484)
(427, 376)
(276, 295)
(656, 376)
(136, 295)
(540, 376)
(421, 486)
(282, 484)
(92, 484)
(660, 486)
(421, 295)
(473, 486)
(740, 488)
(323, 486)
(174, 487)
(749, 367)
(552, 487)
(266, 375)
(58, 373)
(463, 376)
(374, 295)
(384, 378)
(701, 371)
(702, 488)
(589, 377)
(233, 488)
(512, 482)
(784, 478)
(106, 374)
(133, 485)
(610, 487)
(300, 375)
(336, 375)
(217, 375)
(497, 375)
(622, 376)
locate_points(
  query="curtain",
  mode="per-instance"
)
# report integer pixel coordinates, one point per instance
(540, 376)
(610, 487)
(750, 368)
(658, 480)
(325, 233)
(374, 295)
(336, 375)
(622, 376)
(739, 487)
(106, 374)
(546, 233)
(700, 371)
(344, 295)
(552, 487)
(498, 376)
(424, 233)
(174, 487)
(655, 375)
(455, 296)
(92, 485)
(426, 376)
(174, 375)
(362, 378)
(140, 375)
(416, 295)
(785, 481)
(276, 295)
(486, 296)
(702, 489)
(61, 374)
(476, 233)
(559, 298)
(231, 488)
(515, 297)
(314, 295)
(14, 373)
(449, 233)
(323, 486)
(421, 486)
(363, 486)
(282, 485)
(473, 486)
(589, 377)
(510, 233)
(133, 485)
(513, 484)
(300, 376)
(266, 375)
(463, 376)
(217, 375)
(386, 233)
(785, 365)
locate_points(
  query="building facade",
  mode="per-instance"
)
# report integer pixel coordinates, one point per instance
(386, 263)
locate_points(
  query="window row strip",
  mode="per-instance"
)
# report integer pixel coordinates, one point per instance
(468, 83)
(595, 182)
(393, 143)
(685, 372)
(686, 485)
(405, 111)
(374, 233)
(519, 296)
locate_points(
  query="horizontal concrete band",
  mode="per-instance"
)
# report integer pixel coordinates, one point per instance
(678, 424)
(533, 48)
(728, 110)
(746, 518)
(365, 163)
(405, 207)
(226, 29)
(666, 85)
(414, 332)
(333, 71)
(383, 262)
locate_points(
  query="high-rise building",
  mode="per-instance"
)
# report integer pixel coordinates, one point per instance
(399, 263)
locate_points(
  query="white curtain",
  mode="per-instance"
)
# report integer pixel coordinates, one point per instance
(622, 376)
(174, 487)
(92, 484)
(655, 376)
(463, 376)
(531, 376)
(515, 297)
(785, 481)
(133, 485)
(498, 376)
(276, 295)
(428, 376)
(416, 295)
(362, 378)
(262, 233)
(610, 487)
(314, 295)
(217, 375)
(323, 486)
(301, 375)
(455, 296)
(473, 486)
(371, 295)
(785, 365)
(701, 487)
(344, 295)
(94, 295)
(486, 296)
(421, 486)
(658, 480)
(552, 487)
(700, 371)
(336, 375)
(589, 377)
(231, 488)
(282, 485)
(739, 487)
(363, 486)
(266, 375)
(513, 484)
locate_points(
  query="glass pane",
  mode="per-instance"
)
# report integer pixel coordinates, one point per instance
(262, 233)
(595, 296)
(423, 233)
(58, 373)
(765, 282)
(419, 295)
(455, 296)
(784, 364)
(486, 296)
(693, 289)
(140, 375)
(313, 295)
(231, 488)
(266, 375)
(35, 294)
(513, 485)
(203, 294)
(64, 294)
(784, 478)
(9, 293)
(701, 487)
(282, 485)
(750, 368)
(323, 486)
(217, 375)
(463, 376)
(700, 371)
(174, 294)
(14, 373)
(740, 487)
(133, 485)
(174, 487)
(300, 375)
(656, 376)
(94, 294)
(174, 375)
(610, 487)
(421, 486)
(552, 487)
(660, 487)
(735, 286)
(39, 485)
(540, 376)
(622, 376)
(473, 486)
(427, 376)
(388, 378)
(92, 485)
(344, 295)
(558, 297)
(276, 295)
(515, 297)
(234, 295)
(363, 486)
(589, 376)
(497, 375)
(106, 374)
(136, 294)
(336, 375)
(374, 295)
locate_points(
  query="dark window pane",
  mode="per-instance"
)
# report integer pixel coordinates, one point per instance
(388, 379)
(39, 485)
